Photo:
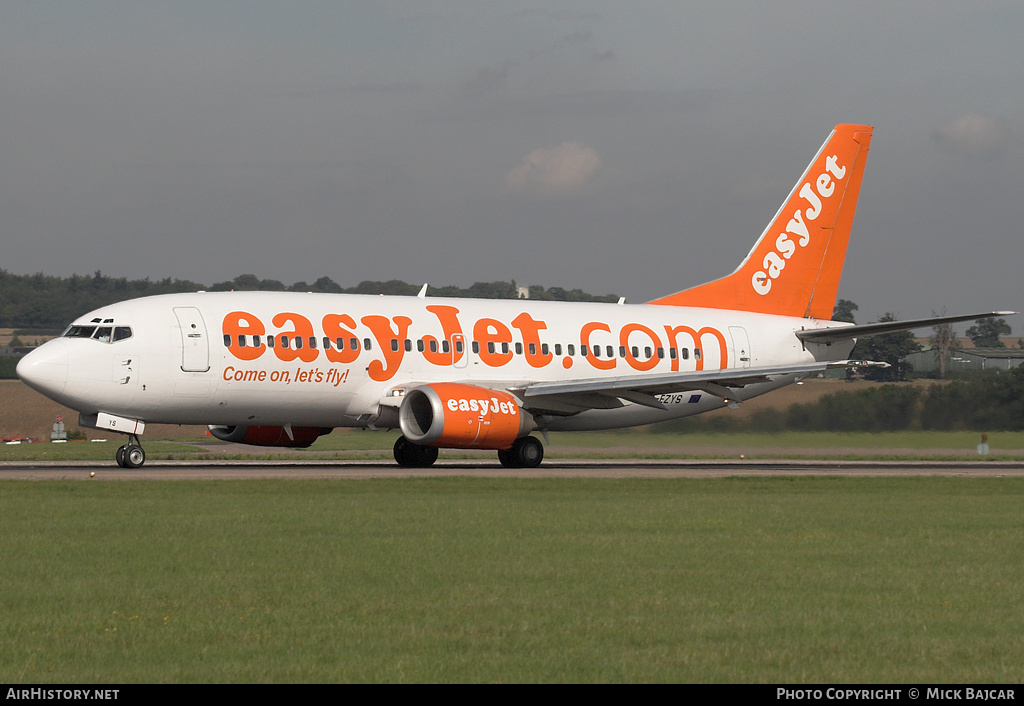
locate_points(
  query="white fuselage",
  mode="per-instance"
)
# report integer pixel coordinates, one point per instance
(333, 360)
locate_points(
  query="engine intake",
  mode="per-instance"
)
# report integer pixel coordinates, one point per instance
(453, 415)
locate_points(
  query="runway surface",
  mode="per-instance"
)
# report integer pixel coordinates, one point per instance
(356, 470)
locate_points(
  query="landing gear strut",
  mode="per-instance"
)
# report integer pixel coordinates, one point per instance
(526, 452)
(410, 455)
(131, 455)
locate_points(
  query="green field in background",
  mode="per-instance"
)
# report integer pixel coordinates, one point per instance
(808, 580)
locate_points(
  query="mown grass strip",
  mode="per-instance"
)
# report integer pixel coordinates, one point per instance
(347, 444)
(739, 580)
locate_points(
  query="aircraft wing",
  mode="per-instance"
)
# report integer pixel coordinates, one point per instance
(571, 396)
(846, 332)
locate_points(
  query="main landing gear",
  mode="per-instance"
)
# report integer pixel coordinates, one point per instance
(131, 455)
(410, 455)
(526, 452)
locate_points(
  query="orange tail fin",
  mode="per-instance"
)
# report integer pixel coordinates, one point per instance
(795, 266)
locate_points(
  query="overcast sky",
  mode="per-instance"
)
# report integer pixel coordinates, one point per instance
(636, 148)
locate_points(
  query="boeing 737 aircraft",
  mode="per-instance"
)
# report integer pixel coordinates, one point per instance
(281, 369)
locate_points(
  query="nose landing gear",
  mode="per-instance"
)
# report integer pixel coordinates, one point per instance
(131, 455)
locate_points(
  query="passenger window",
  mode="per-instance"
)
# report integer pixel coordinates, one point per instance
(394, 344)
(298, 342)
(696, 353)
(284, 342)
(366, 344)
(570, 349)
(519, 348)
(420, 345)
(241, 341)
(610, 351)
(256, 341)
(558, 349)
(227, 340)
(544, 349)
(353, 343)
(312, 342)
(408, 345)
(270, 341)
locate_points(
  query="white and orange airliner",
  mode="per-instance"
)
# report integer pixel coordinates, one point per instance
(281, 369)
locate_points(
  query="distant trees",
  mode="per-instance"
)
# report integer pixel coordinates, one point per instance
(44, 302)
(843, 311)
(986, 333)
(991, 402)
(944, 341)
(890, 348)
(50, 303)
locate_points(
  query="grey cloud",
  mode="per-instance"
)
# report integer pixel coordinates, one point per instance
(554, 171)
(973, 135)
(489, 79)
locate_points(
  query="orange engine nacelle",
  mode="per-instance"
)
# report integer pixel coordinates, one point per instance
(300, 437)
(452, 415)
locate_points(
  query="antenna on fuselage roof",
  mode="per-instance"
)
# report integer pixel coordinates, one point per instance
(423, 291)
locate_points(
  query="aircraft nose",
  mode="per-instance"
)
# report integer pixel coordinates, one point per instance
(46, 368)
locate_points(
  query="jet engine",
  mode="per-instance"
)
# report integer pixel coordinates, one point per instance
(453, 415)
(296, 437)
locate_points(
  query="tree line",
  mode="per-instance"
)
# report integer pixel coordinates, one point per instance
(49, 303)
(992, 401)
(893, 348)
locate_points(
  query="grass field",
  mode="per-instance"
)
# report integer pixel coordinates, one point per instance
(510, 580)
(357, 444)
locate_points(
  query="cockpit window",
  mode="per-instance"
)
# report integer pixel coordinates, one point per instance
(104, 334)
(80, 331)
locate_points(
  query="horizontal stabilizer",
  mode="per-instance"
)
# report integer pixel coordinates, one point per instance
(844, 332)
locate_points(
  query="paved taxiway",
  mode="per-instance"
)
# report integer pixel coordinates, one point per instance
(355, 470)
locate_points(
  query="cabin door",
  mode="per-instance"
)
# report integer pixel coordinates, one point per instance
(195, 347)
